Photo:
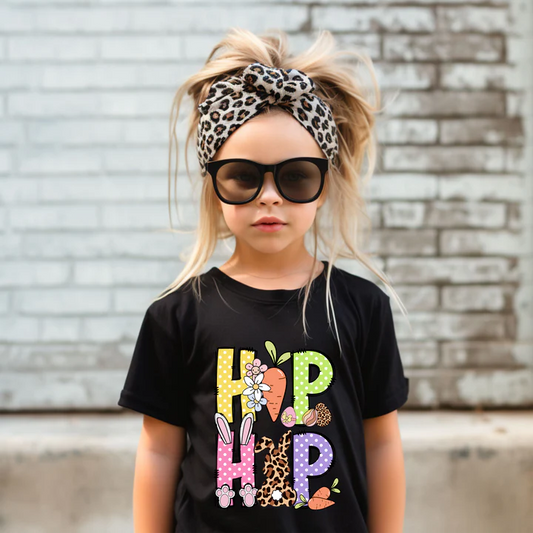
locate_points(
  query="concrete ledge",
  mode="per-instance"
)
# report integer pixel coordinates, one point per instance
(466, 472)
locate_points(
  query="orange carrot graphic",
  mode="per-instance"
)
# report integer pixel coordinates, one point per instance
(319, 500)
(276, 379)
(322, 493)
(319, 503)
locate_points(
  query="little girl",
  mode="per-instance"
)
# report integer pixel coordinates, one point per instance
(263, 413)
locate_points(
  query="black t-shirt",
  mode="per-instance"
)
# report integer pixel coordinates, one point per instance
(274, 419)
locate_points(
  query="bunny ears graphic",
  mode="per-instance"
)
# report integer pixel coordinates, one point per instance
(225, 432)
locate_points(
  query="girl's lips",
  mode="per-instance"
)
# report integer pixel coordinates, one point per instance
(269, 227)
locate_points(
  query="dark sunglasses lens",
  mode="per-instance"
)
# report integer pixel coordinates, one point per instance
(300, 180)
(237, 181)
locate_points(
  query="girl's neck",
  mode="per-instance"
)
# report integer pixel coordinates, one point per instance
(265, 280)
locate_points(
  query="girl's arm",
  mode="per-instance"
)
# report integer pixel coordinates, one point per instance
(385, 474)
(160, 451)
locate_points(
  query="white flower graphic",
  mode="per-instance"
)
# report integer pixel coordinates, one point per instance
(255, 386)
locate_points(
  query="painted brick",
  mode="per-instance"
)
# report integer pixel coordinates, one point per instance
(127, 272)
(140, 47)
(517, 104)
(374, 211)
(451, 269)
(14, 20)
(54, 218)
(367, 19)
(52, 47)
(443, 47)
(5, 162)
(4, 302)
(64, 301)
(421, 354)
(19, 329)
(114, 328)
(478, 354)
(405, 76)
(521, 348)
(470, 214)
(473, 18)
(56, 162)
(404, 214)
(515, 160)
(87, 19)
(60, 329)
(517, 49)
(110, 104)
(403, 186)
(20, 274)
(398, 242)
(3, 219)
(10, 244)
(80, 132)
(133, 300)
(415, 131)
(420, 298)
(475, 76)
(144, 216)
(107, 244)
(144, 188)
(478, 187)
(476, 298)
(482, 242)
(447, 103)
(94, 390)
(515, 217)
(136, 160)
(10, 131)
(425, 386)
(443, 2)
(444, 214)
(501, 388)
(445, 158)
(369, 42)
(453, 326)
(482, 131)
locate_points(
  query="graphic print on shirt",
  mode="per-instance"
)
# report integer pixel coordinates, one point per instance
(257, 387)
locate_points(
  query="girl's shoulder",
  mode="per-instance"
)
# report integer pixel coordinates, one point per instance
(358, 287)
(174, 302)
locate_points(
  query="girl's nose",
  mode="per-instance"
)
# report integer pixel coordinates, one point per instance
(269, 190)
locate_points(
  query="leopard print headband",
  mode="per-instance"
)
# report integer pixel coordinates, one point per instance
(233, 101)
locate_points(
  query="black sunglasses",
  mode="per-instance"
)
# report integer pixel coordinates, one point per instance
(239, 181)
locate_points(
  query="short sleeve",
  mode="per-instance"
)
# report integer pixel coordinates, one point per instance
(385, 385)
(156, 383)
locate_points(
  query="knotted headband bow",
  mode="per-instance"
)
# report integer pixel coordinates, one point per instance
(233, 101)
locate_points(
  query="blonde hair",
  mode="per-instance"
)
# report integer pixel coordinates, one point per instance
(353, 113)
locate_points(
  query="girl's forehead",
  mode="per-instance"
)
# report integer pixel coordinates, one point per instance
(270, 136)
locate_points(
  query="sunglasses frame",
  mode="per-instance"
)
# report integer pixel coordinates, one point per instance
(214, 166)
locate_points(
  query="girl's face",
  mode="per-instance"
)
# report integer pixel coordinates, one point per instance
(268, 139)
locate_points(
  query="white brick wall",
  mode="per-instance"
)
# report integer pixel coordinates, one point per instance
(85, 93)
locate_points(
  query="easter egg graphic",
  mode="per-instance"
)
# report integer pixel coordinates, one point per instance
(288, 417)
